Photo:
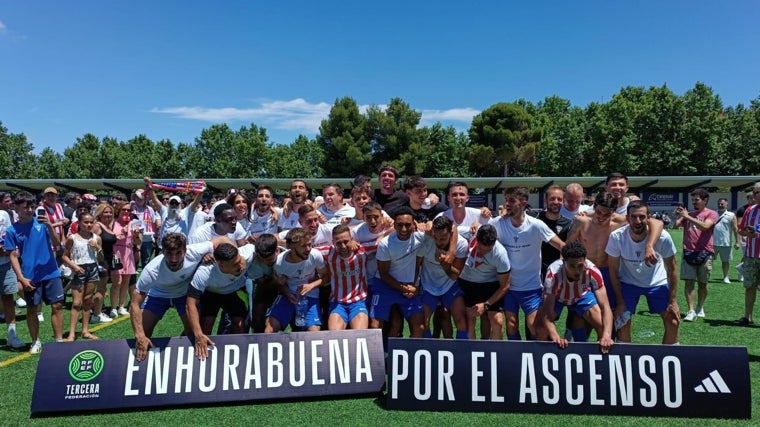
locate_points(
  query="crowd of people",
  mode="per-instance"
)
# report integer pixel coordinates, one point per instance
(365, 258)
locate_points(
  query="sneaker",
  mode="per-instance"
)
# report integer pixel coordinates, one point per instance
(36, 347)
(20, 302)
(102, 318)
(113, 314)
(701, 312)
(690, 316)
(726, 280)
(40, 317)
(14, 342)
(123, 311)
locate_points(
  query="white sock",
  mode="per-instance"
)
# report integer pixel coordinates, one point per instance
(11, 328)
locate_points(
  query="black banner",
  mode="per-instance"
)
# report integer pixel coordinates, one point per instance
(104, 374)
(502, 376)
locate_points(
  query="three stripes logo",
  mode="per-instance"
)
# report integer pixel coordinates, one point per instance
(713, 384)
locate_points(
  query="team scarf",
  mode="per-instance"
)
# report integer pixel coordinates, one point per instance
(180, 186)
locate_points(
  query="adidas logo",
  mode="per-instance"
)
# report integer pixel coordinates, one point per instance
(713, 384)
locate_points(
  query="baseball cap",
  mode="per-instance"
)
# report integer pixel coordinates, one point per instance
(140, 194)
(50, 190)
(90, 197)
(175, 199)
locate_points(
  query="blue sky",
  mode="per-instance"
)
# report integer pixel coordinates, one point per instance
(169, 69)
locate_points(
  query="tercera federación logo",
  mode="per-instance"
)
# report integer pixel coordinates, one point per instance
(86, 365)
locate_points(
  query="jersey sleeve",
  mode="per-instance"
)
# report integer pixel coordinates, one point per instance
(613, 245)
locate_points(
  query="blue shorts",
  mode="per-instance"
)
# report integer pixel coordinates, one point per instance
(447, 299)
(51, 291)
(384, 297)
(8, 280)
(658, 297)
(580, 307)
(529, 301)
(348, 311)
(159, 305)
(284, 311)
(90, 275)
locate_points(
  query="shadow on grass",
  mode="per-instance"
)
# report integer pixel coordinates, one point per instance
(722, 322)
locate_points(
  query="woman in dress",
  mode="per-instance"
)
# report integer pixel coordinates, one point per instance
(128, 235)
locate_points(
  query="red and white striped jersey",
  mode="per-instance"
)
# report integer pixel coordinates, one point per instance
(751, 218)
(347, 276)
(569, 292)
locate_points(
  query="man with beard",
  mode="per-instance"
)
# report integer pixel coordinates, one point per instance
(263, 220)
(554, 201)
(299, 195)
(725, 227)
(299, 270)
(594, 230)
(174, 218)
(163, 283)
(631, 276)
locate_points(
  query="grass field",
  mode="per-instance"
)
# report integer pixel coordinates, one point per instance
(725, 303)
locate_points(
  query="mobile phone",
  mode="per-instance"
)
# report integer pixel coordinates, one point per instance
(41, 211)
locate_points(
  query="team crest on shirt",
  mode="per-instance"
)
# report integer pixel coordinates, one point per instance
(516, 238)
(558, 228)
(638, 254)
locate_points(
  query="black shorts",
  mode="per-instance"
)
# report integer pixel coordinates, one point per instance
(475, 293)
(231, 303)
(265, 294)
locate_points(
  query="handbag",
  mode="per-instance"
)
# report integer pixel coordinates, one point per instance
(116, 263)
(696, 257)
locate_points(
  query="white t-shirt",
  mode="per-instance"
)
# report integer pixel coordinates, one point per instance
(298, 274)
(723, 229)
(262, 224)
(209, 278)
(402, 254)
(471, 216)
(368, 241)
(633, 268)
(158, 281)
(195, 219)
(334, 217)
(433, 278)
(485, 269)
(572, 214)
(523, 244)
(5, 222)
(287, 223)
(206, 232)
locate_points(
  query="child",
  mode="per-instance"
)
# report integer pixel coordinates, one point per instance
(82, 253)
(30, 241)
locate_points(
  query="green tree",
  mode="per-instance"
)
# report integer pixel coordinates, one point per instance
(393, 135)
(48, 165)
(221, 152)
(81, 160)
(15, 154)
(504, 140)
(346, 151)
(303, 158)
(563, 145)
(448, 152)
(701, 130)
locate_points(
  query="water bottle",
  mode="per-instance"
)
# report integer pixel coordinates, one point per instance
(621, 320)
(302, 306)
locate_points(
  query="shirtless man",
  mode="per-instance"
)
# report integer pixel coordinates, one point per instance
(594, 230)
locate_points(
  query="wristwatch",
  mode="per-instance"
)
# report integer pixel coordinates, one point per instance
(486, 306)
